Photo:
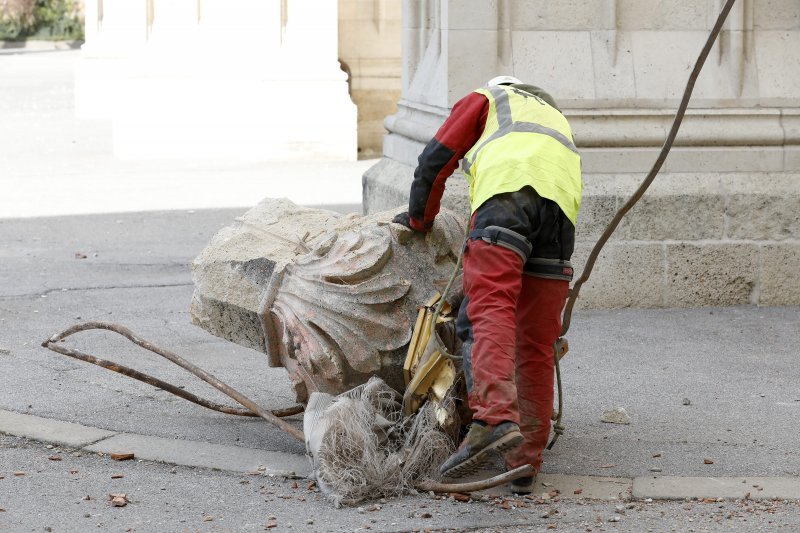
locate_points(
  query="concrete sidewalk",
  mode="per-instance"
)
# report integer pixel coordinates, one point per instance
(716, 384)
(278, 464)
(54, 164)
(713, 393)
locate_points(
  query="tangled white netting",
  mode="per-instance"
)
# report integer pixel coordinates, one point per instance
(363, 447)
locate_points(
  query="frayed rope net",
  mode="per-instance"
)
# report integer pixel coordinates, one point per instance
(363, 447)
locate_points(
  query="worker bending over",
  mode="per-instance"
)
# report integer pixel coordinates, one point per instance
(524, 176)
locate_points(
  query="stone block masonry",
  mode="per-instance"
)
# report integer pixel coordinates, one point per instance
(694, 239)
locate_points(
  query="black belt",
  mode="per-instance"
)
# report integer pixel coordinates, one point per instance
(504, 237)
(542, 267)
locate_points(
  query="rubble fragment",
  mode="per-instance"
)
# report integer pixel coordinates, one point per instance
(118, 500)
(617, 415)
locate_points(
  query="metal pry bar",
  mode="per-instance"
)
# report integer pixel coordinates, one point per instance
(252, 407)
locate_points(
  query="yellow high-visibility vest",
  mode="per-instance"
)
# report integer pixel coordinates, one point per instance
(525, 142)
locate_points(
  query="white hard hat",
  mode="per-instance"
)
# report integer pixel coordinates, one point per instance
(502, 80)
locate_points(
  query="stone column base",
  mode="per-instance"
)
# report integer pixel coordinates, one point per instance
(697, 238)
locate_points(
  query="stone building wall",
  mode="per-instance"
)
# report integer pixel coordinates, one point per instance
(369, 48)
(720, 226)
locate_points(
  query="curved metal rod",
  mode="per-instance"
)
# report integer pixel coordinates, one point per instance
(698, 66)
(475, 486)
(178, 360)
(163, 385)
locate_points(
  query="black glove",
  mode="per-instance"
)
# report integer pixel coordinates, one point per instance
(404, 219)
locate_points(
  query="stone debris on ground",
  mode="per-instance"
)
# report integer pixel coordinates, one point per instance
(618, 415)
(118, 500)
(122, 456)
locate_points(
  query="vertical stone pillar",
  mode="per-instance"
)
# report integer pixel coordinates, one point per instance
(245, 80)
(716, 227)
(114, 30)
(369, 48)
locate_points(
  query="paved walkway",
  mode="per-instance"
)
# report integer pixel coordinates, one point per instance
(714, 394)
(734, 367)
(54, 164)
(278, 464)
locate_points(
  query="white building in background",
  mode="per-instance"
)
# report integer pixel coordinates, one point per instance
(252, 80)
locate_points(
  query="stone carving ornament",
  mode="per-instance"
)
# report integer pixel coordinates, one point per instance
(331, 298)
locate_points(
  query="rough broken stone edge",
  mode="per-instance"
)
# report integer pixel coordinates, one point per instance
(57, 432)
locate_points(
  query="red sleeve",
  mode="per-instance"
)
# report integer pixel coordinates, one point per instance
(441, 155)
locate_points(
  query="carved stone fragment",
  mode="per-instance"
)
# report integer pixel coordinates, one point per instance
(331, 298)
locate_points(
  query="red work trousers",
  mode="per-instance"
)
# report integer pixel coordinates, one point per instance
(515, 320)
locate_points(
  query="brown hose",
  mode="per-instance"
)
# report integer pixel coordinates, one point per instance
(673, 132)
(475, 486)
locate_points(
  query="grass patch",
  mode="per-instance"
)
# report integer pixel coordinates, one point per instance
(48, 20)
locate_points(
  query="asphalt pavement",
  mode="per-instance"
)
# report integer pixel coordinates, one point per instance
(713, 393)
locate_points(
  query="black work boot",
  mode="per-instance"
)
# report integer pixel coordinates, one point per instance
(522, 485)
(475, 447)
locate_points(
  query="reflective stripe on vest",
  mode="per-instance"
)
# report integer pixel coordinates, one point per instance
(525, 142)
